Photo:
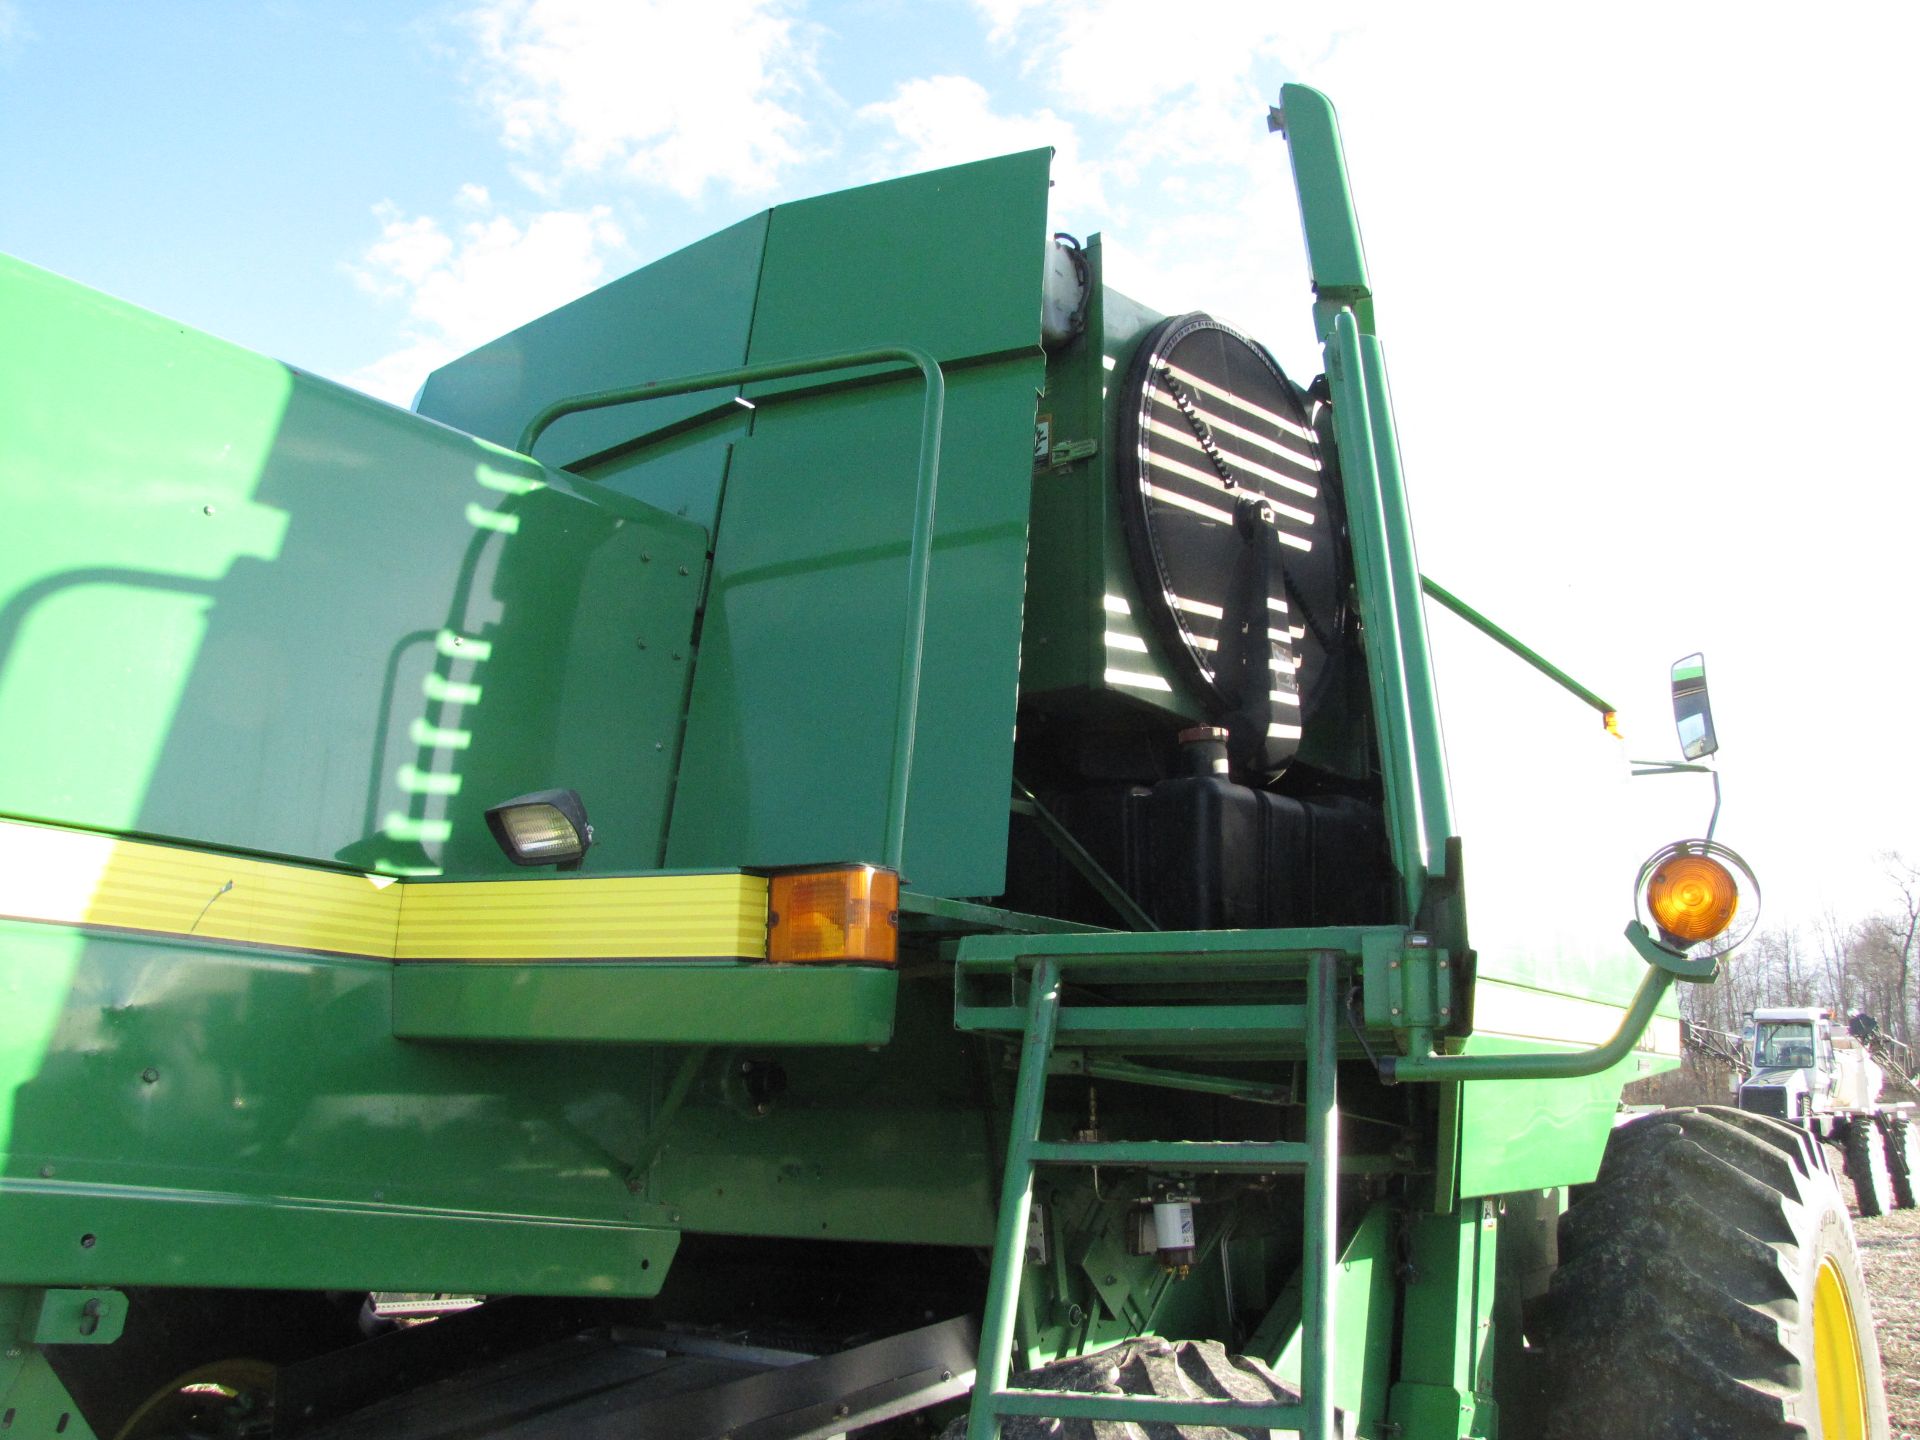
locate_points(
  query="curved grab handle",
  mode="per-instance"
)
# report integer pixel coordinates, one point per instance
(920, 551)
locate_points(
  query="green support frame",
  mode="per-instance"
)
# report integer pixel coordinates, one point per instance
(1317, 1159)
(1399, 665)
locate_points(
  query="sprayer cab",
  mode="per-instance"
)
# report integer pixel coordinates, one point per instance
(1804, 1064)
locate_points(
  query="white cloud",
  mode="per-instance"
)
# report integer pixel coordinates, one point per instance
(949, 119)
(465, 286)
(1121, 58)
(1004, 17)
(663, 92)
(1195, 197)
(405, 254)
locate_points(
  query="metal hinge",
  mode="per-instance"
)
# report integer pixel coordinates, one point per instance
(1408, 984)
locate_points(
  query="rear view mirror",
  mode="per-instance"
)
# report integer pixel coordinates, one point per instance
(1691, 712)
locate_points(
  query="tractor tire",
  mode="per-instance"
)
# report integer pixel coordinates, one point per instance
(1708, 1289)
(1902, 1144)
(1867, 1167)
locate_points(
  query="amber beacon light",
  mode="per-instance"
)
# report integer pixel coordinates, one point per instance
(848, 912)
(1699, 897)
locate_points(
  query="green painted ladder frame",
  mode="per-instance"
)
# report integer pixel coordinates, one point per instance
(1328, 956)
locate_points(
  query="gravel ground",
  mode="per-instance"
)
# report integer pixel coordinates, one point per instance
(1890, 1255)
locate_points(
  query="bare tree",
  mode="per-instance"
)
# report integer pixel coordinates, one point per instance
(1903, 927)
(1835, 939)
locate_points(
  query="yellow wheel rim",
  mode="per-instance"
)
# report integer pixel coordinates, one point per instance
(1838, 1373)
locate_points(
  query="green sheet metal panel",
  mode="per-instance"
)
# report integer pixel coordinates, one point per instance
(650, 1002)
(243, 606)
(1546, 903)
(1536, 1134)
(683, 473)
(215, 1117)
(1088, 642)
(949, 260)
(789, 736)
(1365, 1311)
(688, 313)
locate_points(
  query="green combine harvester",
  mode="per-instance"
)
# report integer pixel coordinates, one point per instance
(847, 833)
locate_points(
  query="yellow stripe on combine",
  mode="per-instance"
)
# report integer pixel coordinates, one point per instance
(1523, 1013)
(645, 917)
(68, 877)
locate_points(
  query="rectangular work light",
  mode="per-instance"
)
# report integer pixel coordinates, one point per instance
(548, 827)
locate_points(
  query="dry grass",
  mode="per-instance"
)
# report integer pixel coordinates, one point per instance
(1890, 1256)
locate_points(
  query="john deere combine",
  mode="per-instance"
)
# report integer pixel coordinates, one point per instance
(853, 820)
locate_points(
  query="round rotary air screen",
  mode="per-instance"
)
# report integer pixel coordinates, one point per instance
(1227, 524)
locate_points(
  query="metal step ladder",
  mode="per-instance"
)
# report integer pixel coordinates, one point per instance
(1193, 960)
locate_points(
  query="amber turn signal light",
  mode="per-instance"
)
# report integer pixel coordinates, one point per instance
(1698, 897)
(850, 912)
(1694, 897)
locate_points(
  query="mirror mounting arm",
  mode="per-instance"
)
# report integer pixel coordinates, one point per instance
(1681, 767)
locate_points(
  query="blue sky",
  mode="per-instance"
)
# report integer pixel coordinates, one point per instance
(1645, 275)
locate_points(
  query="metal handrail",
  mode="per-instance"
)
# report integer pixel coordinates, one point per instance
(1403, 569)
(1508, 641)
(920, 551)
(1367, 520)
(1399, 666)
(1664, 967)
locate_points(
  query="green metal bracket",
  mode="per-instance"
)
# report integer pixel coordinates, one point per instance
(1025, 802)
(33, 1402)
(74, 1317)
(1095, 1067)
(920, 553)
(1408, 987)
(940, 913)
(1698, 972)
(654, 1140)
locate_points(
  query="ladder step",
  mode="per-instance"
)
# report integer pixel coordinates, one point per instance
(1150, 1409)
(1199, 1155)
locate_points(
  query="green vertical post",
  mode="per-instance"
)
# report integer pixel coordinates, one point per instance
(1327, 214)
(1366, 516)
(1446, 1325)
(1423, 703)
(1411, 752)
(1323, 1198)
(1016, 1200)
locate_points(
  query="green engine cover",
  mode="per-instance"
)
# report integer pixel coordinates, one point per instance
(808, 487)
